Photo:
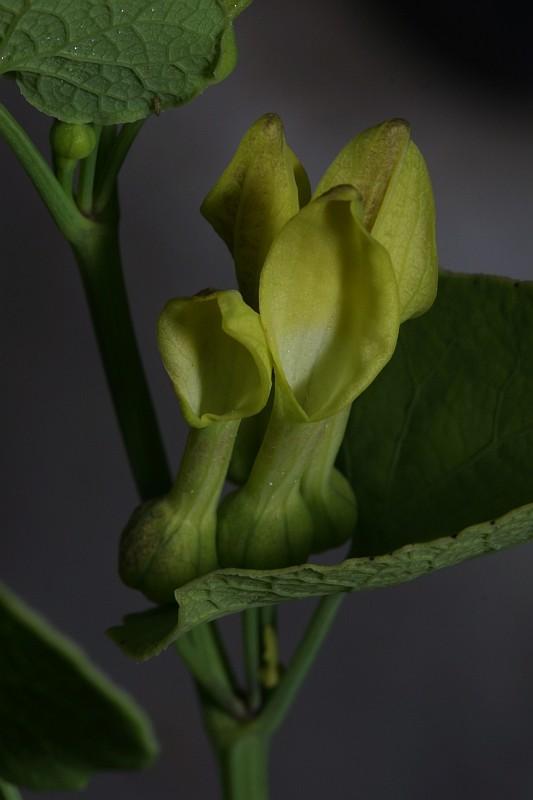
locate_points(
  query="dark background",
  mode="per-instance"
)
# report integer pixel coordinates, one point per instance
(424, 690)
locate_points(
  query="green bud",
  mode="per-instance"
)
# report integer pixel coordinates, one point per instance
(261, 189)
(387, 168)
(72, 142)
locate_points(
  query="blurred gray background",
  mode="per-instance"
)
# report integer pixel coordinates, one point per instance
(425, 690)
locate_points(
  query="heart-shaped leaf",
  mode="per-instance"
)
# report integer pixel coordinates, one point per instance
(111, 61)
(60, 719)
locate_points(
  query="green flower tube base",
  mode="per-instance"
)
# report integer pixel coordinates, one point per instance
(326, 491)
(172, 540)
(266, 523)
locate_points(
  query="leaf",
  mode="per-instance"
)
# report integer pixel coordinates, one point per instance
(147, 633)
(228, 591)
(8, 792)
(110, 61)
(60, 719)
(443, 438)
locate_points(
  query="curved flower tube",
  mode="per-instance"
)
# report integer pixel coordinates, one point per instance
(214, 350)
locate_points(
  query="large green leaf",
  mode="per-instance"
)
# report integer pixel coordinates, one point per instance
(60, 719)
(444, 437)
(438, 450)
(112, 61)
(228, 591)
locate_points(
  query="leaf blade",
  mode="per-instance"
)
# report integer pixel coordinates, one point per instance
(229, 591)
(453, 447)
(108, 62)
(61, 719)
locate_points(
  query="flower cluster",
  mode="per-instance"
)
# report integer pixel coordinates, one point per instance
(325, 281)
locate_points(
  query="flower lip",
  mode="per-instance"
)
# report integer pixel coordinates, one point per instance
(215, 353)
(329, 306)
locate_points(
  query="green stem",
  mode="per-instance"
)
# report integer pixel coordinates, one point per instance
(202, 652)
(65, 169)
(244, 768)
(113, 164)
(251, 628)
(87, 173)
(282, 698)
(66, 215)
(98, 256)
(242, 753)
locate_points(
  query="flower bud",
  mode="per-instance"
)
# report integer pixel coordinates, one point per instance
(261, 189)
(72, 141)
(391, 175)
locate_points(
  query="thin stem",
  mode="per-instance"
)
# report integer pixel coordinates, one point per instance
(62, 207)
(65, 169)
(98, 256)
(269, 616)
(251, 629)
(119, 151)
(200, 651)
(87, 173)
(281, 700)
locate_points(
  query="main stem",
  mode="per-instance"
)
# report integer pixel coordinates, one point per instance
(244, 768)
(97, 252)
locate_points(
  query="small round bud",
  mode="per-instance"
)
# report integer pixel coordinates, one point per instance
(72, 142)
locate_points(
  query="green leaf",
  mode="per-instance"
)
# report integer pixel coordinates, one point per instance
(8, 792)
(147, 633)
(61, 719)
(443, 438)
(110, 61)
(228, 591)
